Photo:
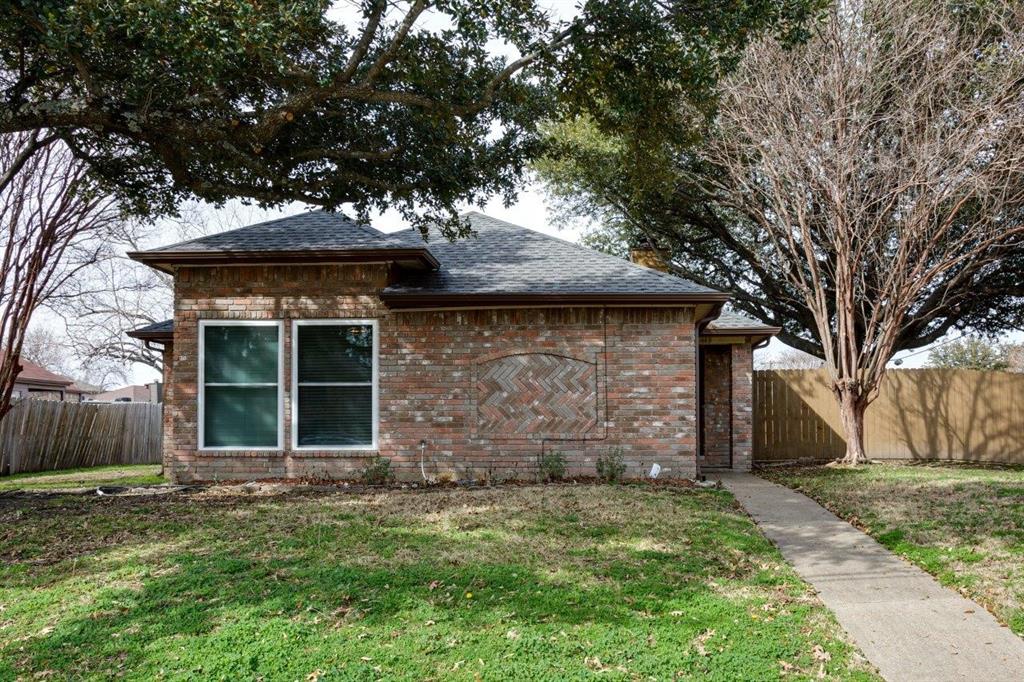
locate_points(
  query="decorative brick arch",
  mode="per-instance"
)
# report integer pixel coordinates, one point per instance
(530, 394)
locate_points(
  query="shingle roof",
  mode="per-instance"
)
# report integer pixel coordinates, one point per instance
(157, 327)
(293, 239)
(500, 260)
(730, 320)
(31, 373)
(311, 231)
(157, 330)
(82, 387)
(508, 259)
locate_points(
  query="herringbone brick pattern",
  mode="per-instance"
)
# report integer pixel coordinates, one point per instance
(536, 393)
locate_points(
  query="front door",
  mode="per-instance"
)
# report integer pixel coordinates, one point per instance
(716, 407)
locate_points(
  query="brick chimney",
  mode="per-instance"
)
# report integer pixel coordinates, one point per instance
(643, 253)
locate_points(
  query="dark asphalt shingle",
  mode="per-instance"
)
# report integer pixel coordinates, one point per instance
(157, 327)
(501, 258)
(312, 231)
(508, 259)
(730, 319)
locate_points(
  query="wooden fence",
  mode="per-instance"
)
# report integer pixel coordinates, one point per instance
(44, 435)
(919, 414)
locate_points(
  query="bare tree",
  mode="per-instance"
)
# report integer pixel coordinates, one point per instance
(47, 349)
(789, 358)
(52, 219)
(117, 294)
(881, 165)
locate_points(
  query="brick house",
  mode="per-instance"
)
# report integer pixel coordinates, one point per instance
(39, 383)
(302, 347)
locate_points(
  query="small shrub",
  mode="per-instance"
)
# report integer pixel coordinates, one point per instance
(377, 472)
(552, 466)
(611, 466)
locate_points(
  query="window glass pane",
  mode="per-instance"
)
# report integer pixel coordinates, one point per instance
(335, 415)
(240, 416)
(240, 354)
(335, 353)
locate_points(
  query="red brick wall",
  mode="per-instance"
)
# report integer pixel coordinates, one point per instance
(641, 365)
(716, 437)
(167, 456)
(742, 406)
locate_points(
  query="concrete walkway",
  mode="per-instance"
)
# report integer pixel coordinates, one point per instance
(909, 626)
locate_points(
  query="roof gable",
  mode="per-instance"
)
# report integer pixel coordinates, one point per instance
(501, 261)
(302, 232)
(315, 236)
(732, 322)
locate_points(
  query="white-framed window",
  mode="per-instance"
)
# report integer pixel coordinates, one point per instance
(334, 384)
(241, 384)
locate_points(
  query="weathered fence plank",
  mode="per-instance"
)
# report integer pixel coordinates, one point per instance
(44, 435)
(919, 414)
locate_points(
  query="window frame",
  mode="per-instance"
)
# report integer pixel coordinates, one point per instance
(201, 420)
(374, 383)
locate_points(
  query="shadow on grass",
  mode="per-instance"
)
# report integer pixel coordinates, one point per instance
(284, 588)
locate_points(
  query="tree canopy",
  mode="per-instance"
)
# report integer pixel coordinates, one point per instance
(371, 105)
(863, 190)
(668, 191)
(970, 352)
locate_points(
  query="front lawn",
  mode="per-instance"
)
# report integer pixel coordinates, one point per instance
(117, 475)
(963, 524)
(558, 582)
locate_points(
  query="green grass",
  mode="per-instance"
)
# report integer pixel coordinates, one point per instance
(544, 583)
(963, 524)
(117, 475)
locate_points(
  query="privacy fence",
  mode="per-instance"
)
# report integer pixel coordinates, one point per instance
(43, 435)
(919, 414)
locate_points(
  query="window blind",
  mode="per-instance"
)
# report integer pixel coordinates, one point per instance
(240, 386)
(334, 384)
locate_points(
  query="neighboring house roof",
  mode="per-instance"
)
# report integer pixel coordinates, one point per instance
(136, 393)
(84, 388)
(316, 236)
(730, 322)
(507, 262)
(31, 373)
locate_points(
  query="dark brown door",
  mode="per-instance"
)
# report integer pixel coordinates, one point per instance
(716, 406)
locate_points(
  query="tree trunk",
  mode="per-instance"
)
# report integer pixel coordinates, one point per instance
(851, 410)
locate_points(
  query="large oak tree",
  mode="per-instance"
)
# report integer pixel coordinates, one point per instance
(365, 105)
(375, 104)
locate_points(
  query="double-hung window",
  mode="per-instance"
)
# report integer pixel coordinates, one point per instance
(334, 380)
(240, 399)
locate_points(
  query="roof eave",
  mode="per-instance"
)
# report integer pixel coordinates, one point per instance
(166, 261)
(418, 300)
(49, 383)
(150, 336)
(742, 331)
